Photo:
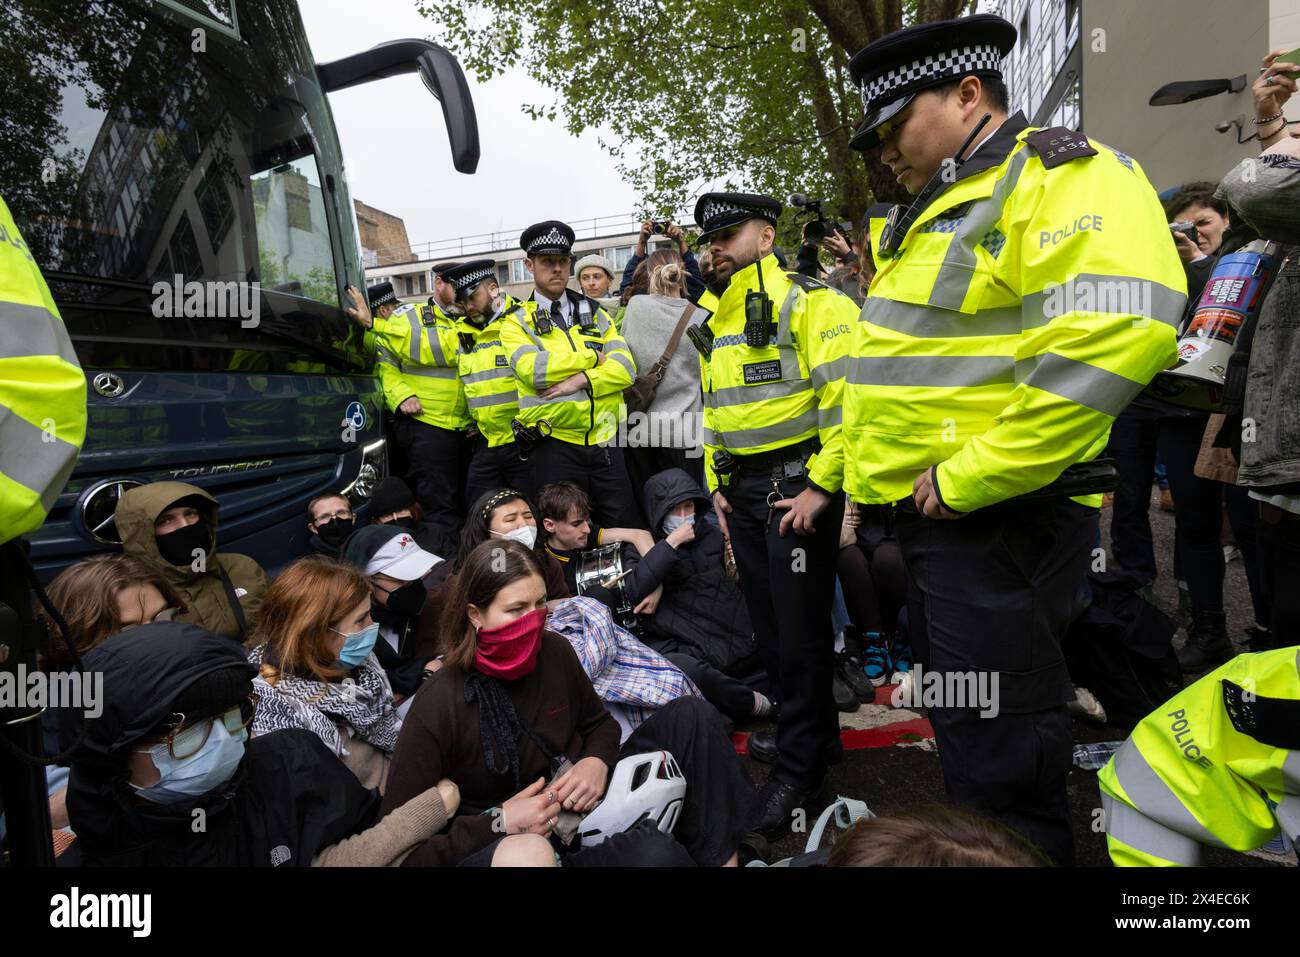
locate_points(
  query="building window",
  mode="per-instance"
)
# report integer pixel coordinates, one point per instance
(518, 272)
(423, 281)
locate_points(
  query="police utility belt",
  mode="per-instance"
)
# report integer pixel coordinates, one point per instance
(789, 464)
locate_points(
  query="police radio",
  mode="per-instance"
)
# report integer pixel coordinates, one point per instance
(758, 313)
(900, 220)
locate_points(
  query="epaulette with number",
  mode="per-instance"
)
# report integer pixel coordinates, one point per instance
(809, 284)
(1059, 144)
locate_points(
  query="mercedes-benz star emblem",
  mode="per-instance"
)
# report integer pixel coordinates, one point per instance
(109, 384)
(98, 505)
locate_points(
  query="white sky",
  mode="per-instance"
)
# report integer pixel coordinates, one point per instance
(529, 170)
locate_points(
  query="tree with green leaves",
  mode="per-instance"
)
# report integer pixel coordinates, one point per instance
(753, 96)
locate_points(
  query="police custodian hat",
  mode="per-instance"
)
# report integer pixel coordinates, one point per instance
(718, 211)
(380, 295)
(465, 276)
(893, 69)
(551, 238)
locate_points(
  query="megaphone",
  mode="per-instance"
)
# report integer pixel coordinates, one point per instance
(1231, 300)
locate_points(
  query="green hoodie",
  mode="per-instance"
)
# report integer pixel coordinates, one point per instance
(203, 592)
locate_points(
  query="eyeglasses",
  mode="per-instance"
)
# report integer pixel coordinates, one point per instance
(186, 740)
(341, 513)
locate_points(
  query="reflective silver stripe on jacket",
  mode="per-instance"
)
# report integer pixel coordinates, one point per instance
(27, 330)
(795, 428)
(499, 398)
(493, 373)
(959, 263)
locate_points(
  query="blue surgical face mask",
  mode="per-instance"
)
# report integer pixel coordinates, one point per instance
(356, 648)
(674, 522)
(206, 770)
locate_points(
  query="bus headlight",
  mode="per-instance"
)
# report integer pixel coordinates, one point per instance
(374, 466)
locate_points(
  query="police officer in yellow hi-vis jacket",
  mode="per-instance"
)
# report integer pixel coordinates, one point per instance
(490, 387)
(772, 363)
(572, 367)
(416, 352)
(1027, 293)
(1217, 764)
(42, 428)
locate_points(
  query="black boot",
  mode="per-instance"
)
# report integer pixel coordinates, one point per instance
(779, 802)
(845, 699)
(762, 747)
(1207, 645)
(849, 665)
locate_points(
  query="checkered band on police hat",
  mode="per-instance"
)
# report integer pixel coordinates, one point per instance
(472, 279)
(554, 238)
(980, 58)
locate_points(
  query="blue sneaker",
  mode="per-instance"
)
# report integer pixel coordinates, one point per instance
(875, 658)
(902, 655)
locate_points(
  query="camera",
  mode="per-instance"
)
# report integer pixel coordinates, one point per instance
(660, 227)
(817, 227)
(1187, 229)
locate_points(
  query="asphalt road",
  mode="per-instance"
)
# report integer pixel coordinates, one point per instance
(908, 775)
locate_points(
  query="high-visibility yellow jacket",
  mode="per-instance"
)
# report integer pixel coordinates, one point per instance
(491, 389)
(42, 391)
(1027, 305)
(1218, 763)
(416, 356)
(541, 360)
(762, 399)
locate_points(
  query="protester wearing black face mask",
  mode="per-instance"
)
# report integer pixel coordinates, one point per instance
(391, 503)
(330, 525)
(172, 528)
(400, 573)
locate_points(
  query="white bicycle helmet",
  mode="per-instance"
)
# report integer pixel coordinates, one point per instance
(642, 786)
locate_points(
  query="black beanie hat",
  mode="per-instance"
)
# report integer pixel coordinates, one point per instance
(391, 495)
(213, 694)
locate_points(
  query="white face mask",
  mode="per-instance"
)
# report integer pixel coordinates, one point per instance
(674, 522)
(525, 535)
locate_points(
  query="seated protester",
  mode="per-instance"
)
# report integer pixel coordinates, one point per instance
(317, 670)
(330, 521)
(869, 565)
(501, 513)
(702, 624)
(938, 835)
(172, 528)
(400, 574)
(568, 532)
(97, 597)
(391, 503)
(514, 721)
(630, 679)
(171, 746)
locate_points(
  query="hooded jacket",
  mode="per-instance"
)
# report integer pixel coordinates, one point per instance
(204, 593)
(288, 799)
(701, 607)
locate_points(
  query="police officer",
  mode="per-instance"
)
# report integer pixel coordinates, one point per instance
(43, 393)
(490, 387)
(416, 352)
(572, 367)
(772, 363)
(1025, 295)
(1217, 764)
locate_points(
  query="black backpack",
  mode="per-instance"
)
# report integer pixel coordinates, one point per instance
(1120, 648)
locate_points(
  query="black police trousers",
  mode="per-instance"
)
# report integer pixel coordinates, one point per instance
(789, 587)
(492, 469)
(990, 597)
(598, 470)
(439, 461)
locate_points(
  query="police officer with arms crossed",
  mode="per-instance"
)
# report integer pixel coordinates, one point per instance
(572, 367)
(490, 387)
(416, 353)
(772, 364)
(992, 355)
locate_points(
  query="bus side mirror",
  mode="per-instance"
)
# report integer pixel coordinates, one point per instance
(440, 72)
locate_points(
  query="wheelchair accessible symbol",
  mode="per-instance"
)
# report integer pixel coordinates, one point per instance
(356, 416)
